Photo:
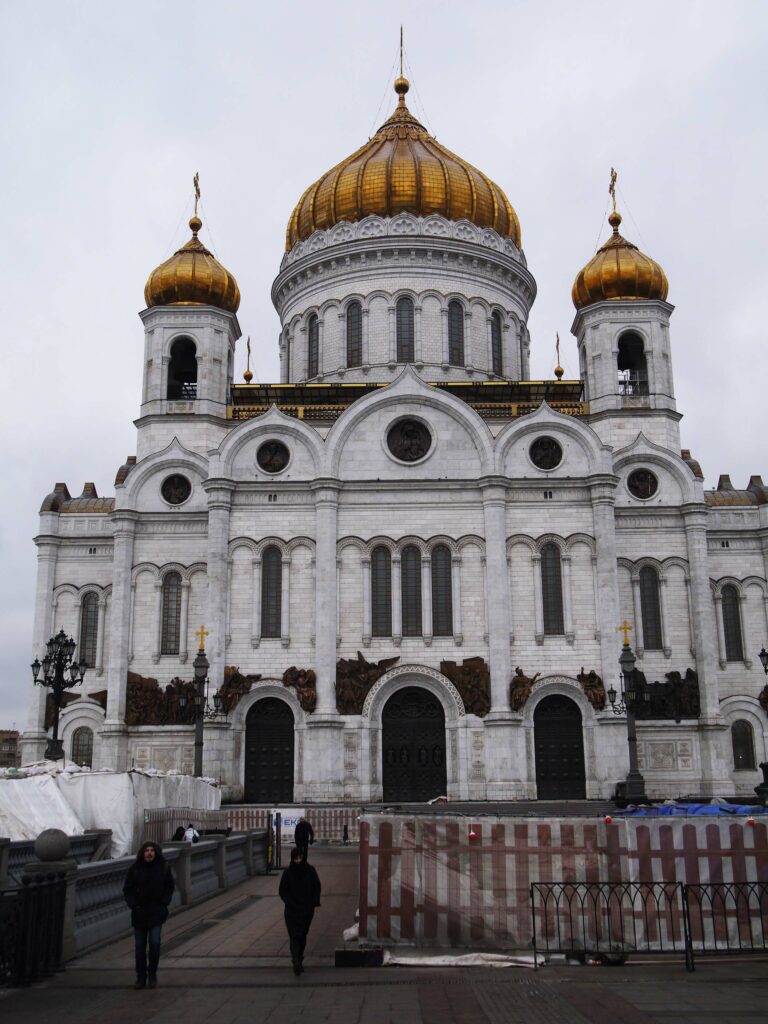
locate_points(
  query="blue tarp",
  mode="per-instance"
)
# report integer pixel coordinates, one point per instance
(669, 810)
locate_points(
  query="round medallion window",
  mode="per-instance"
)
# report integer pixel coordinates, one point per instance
(273, 456)
(546, 453)
(409, 440)
(642, 483)
(176, 489)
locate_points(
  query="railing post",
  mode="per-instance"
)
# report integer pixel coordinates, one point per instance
(184, 871)
(50, 938)
(248, 854)
(103, 849)
(689, 964)
(221, 861)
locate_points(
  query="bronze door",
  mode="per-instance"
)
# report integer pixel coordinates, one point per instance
(269, 753)
(413, 747)
(559, 745)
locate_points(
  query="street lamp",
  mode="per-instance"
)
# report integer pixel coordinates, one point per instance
(59, 661)
(201, 705)
(633, 790)
(763, 656)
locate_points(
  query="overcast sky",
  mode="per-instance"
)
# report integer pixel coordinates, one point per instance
(108, 110)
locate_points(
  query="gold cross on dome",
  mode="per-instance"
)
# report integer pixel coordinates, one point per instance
(202, 633)
(612, 190)
(626, 629)
(196, 183)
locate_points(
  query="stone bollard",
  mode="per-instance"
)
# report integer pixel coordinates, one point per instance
(51, 849)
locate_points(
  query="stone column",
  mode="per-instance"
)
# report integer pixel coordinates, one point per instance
(256, 602)
(638, 613)
(326, 515)
(396, 588)
(458, 637)
(538, 598)
(219, 493)
(285, 602)
(114, 738)
(426, 599)
(365, 355)
(184, 622)
(565, 562)
(444, 325)
(721, 659)
(489, 341)
(157, 646)
(392, 336)
(418, 355)
(497, 591)
(602, 489)
(365, 565)
(664, 620)
(101, 625)
(321, 368)
(34, 739)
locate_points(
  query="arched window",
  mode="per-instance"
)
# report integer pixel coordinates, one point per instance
(381, 592)
(442, 600)
(405, 332)
(354, 334)
(496, 359)
(552, 590)
(734, 649)
(82, 746)
(171, 613)
(182, 370)
(89, 627)
(455, 334)
(633, 371)
(410, 574)
(650, 608)
(313, 346)
(743, 742)
(271, 592)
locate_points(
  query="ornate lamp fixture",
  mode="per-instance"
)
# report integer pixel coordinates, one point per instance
(60, 673)
(763, 656)
(633, 789)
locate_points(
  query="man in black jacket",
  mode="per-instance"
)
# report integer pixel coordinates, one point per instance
(148, 889)
(300, 892)
(304, 836)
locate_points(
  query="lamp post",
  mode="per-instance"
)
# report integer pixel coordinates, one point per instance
(200, 703)
(633, 790)
(59, 661)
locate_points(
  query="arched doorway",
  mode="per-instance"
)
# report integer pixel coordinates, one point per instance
(269, 753)
(413, 746)
(559, 744)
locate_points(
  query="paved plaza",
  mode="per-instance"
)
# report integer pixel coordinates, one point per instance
(227, 961)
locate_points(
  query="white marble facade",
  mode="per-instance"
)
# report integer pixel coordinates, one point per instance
(477, 491)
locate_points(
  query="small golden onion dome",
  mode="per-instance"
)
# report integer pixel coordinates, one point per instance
(402, 169)
(618, 270)
(192, 276)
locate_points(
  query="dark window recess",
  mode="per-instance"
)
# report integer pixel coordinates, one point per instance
(650, 608)
(547, 495)
(171, 623)
(409, 440)
(642, 483)
(743, 742)
(496, 357)
(734, 649)
(405, 331)
(354, 334)
(89, 626)
(552, 590)
(271, 592)
(633, 371)
(442, 598)
(455, 334)
(410, 574)
(272, 456)
(546, 453)
(82, 746)
(313, 346)
(176, 489)
(381, 592)
(182, 370)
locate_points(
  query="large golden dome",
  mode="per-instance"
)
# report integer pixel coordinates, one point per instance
(618, 270)
(192, 276)
(402, 168)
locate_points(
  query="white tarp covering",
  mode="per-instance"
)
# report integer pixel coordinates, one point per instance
(408, 959)
(76, 801)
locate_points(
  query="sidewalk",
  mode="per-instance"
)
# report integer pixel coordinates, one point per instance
(226, 961)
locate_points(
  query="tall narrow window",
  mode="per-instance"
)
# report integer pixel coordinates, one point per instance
(442, 601)
(650, 608)
(496, 359)
(89, 626)
(82, 746)
(411, 590)
(313, 346)
(633, 370)
(405, 332)
(271, 592)
(552, 590)
(743, 742)
(182, 370)
(455, 334)
(354, 334)
(734, 649)
(171, 624)
(381, 592)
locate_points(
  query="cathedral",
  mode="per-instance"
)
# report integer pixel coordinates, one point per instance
(408, 563)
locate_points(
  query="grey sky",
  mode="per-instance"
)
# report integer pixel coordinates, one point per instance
(109, 109)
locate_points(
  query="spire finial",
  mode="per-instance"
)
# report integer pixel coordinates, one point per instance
(195, 223)
(401, 51)
(614, 218)
(402, 85)
(248, 376)
(559, 371)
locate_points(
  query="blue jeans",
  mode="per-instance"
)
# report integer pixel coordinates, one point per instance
(142, 936)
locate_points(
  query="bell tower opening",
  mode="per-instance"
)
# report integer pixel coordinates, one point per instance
(632, 366)
(182, 370)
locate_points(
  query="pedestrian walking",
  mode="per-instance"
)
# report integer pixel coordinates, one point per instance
(300, 892)
(148, 889)
(304, 836)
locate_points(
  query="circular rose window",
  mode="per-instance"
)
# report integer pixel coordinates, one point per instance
(409, 440)
(642, 483)
(272, 456)
(176, 489)
(546, 453)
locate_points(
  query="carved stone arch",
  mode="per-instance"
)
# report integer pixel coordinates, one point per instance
(755, 581)
(523, 540)
(647, 562)
(470, 538)
(81, 713)
(269, 542)
(66, 588)
(300, 542)
(313, 310)
(270, 687)
(328, 306)
(440, 538)
(728, 581)
(357, 543)
(376, 542)
(242, 542)
(273, 422)
(142, 567)
(173, 458)
(462, 300)
(402, 676)
(379, 293)
(173, 567)
(567, 686)
(575, 539)
(551, 538)
(412, 541)
(622, 329)
(194, 569)
(90, 588)
(431, 293)
(405, 293)
(675, 562)
(626, 563)
(596, 453)
(642, 452)
(179, 335)
(347, 301)
(294, 323)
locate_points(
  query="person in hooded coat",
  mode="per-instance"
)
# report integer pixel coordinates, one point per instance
(300, 892)
(148, 889)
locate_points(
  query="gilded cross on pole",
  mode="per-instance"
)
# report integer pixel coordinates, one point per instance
(626, 629)
(612, 188)
(196, 183)
(202, 633)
